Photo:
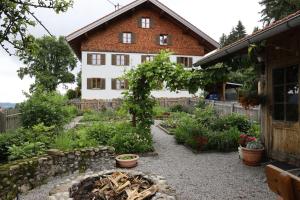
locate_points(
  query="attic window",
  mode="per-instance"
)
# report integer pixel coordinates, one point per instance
(127, 38)
(163, 39)
(145, 22)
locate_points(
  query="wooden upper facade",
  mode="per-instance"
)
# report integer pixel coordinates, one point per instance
(181, 37)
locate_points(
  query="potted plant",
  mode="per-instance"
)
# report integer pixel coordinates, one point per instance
(252, 153)
(127, 160)
(244, 139)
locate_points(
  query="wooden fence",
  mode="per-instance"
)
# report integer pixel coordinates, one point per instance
(224, 108)
(10, 120)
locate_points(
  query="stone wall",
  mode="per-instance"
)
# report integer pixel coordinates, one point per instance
(24, 175)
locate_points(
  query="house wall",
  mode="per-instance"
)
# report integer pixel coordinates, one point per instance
(110, 71)
(282, 139)
(107, 39)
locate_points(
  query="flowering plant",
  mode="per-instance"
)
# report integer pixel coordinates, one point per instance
(245, 139)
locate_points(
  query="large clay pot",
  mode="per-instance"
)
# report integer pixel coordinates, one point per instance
(252, 157)
(124, 162)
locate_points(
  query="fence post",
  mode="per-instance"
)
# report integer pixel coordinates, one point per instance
(2, 122)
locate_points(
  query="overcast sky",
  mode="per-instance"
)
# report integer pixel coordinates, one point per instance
(213, 17)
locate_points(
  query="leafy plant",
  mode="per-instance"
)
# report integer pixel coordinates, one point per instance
(47, 108)
(232, 120)
(256, 144)
(131, 143)
(26, 150)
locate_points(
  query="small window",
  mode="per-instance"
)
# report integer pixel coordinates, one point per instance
(127, 38)
(164, 39)
(145, 22)
(185, 61)
(96, 83)
(286, 94)
(147, 58)
(95, 59)
(118, 84)
(120, 59)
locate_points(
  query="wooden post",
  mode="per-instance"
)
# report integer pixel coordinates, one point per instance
(2, 122)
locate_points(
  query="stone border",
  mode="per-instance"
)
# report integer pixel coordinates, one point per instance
(23, 175)
(64, 190)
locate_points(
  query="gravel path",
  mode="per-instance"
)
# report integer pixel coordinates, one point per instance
(73, 123)
(204, 176)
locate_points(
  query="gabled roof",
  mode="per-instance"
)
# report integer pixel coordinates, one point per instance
(123, 10)
(273, 29)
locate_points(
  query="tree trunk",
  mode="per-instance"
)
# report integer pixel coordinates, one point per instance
(133, 119)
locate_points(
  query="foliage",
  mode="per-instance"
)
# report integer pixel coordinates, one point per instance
(277, 9)
(224, 141)
(131, 142)
(48, 60)
(158, 111)
(64, 142)
(254, 145)
(48, 108)
(102, 132)
(17, 16)
(232, 120)
(206, 116)
(106, 115)
(148, 76)
(236, 33)
(26, 150)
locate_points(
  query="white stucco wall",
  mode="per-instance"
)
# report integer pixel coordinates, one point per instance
(109, 72)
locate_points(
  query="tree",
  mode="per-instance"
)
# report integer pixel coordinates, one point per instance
(18, 15)
(48, 60)
(236, 33)
(277, 9)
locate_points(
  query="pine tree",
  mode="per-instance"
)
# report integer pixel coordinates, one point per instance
(277, 9)
(223, 40)
(240, 30)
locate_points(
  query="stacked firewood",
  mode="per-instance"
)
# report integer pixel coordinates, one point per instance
(122, 186)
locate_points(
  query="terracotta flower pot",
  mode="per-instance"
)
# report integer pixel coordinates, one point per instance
(127, 160)
(252, 157)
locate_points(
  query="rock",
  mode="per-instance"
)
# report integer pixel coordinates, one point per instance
(55, 152)
(24, 188)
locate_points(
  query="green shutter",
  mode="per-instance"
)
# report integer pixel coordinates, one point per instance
(121, 37)
(103, 59)
(102, 83)
(151, 23)
(190, 62)
(89, 58)
(133, 38)
(170, 40)
(126, 60)
(113, 84)
(113, 59)
(89, 83)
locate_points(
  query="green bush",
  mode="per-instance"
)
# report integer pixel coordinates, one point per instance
(206, 116)
(131, 143)
(181, 108)
(233, 120)
(64, 142)
(224, 141)
(101, 132)
(43, 107)
(26, 150)
(107, 115)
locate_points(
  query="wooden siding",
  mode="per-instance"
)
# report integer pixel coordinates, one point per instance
(282, 139)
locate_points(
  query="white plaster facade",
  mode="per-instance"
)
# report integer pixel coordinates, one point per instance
(109, 72)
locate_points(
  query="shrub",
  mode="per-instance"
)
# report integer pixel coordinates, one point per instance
(26, 150)
(233, 120)
(43, 107)
(224, 141)
(159, 111)
(181, 108)
(131, 143)
(64, 142)
(101, 132)
(107, 115)
(206, 116)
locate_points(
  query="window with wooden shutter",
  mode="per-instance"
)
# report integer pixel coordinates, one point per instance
(95, 59)
(145, 22)
(126, 60)
(147, 58)
(185, 61)
(127, 38)
(120, 60)
(164, 39)
(119, 84)
(114, 59)
(96, 83)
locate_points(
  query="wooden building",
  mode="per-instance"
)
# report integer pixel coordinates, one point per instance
(279, 82)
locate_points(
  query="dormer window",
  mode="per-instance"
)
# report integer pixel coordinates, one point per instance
(145, 22)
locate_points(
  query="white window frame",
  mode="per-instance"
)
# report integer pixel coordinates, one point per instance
(120, 84)
(96, 59)
(120, 60)
(127, 38)
(145, 22)
(163, 39)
